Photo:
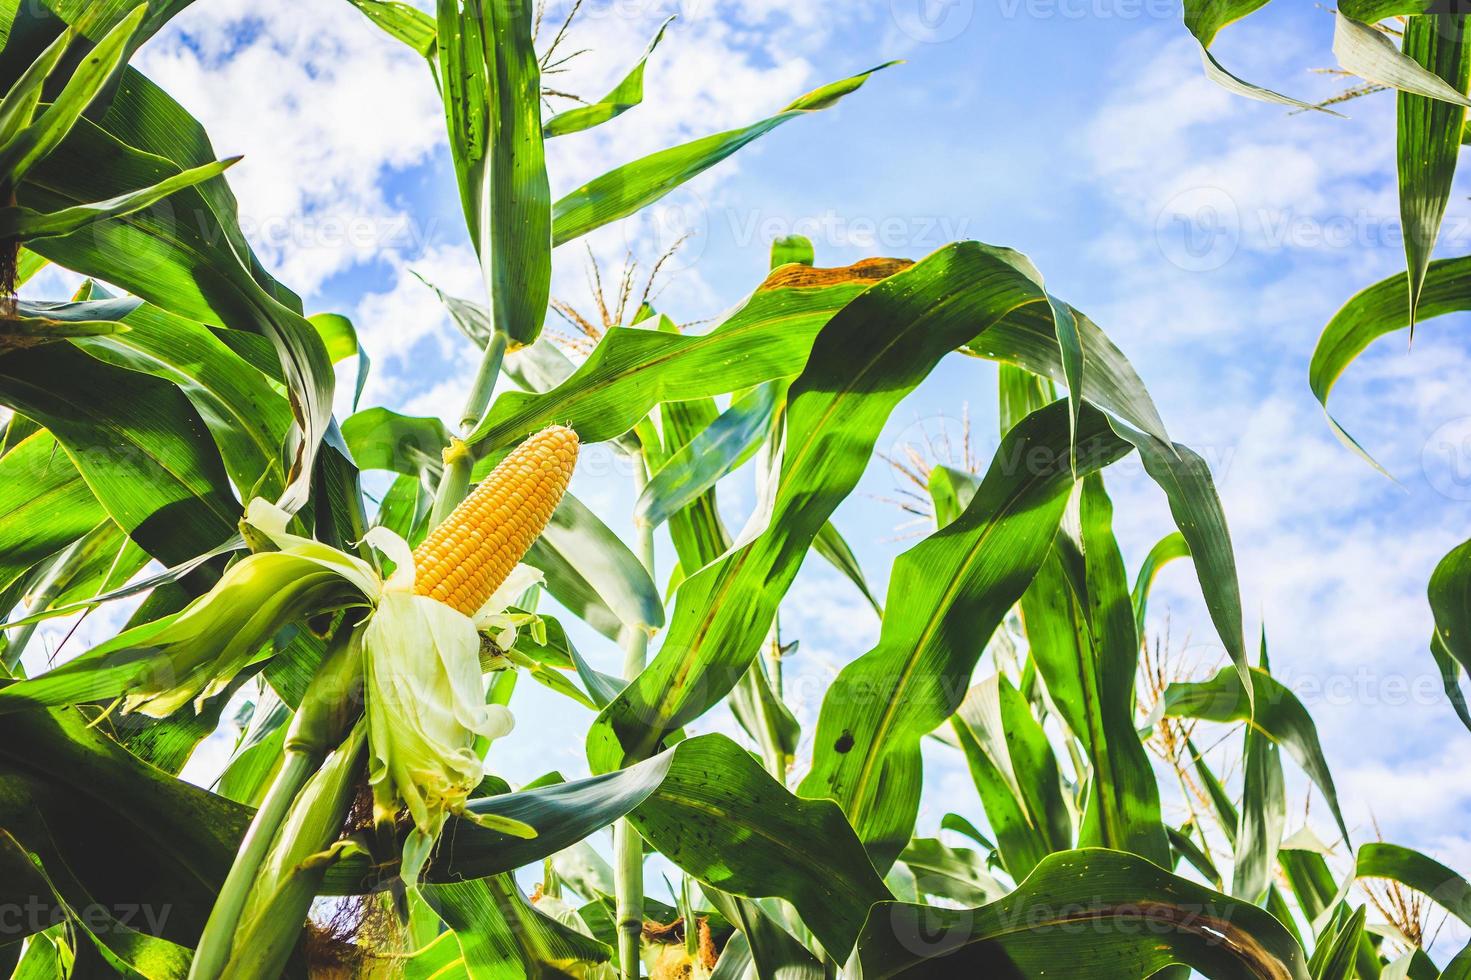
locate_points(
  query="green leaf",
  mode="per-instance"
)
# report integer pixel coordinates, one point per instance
(1121, 808)
(633, 186)
(1450, 601)
(381, 439)
(1430, 139)
(1333, 959)
(1378, 310)
(246, 415)
(790, 249)
(578, 552)
(37, 140)
(26, 224)
(1279, 715)
(130, 952)
(864, 361)
(1015, 773)
(1130, 919)
(44, 505)
(631, 370)
(500, 933)
(169, 843)
(1363, 51)
(721, 448)
(952, 873)
(946, 597)
(1419, 873)
(1263, 811)
(402, 22)
(624, 96)
(340, 338)
(1171, 547)
(137, 441)
(492, 98)
(1204, 19)
(722, 818)
(185, 254)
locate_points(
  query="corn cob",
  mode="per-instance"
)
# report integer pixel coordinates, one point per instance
(468, 556)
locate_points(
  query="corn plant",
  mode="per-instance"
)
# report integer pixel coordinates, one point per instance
(185, 423)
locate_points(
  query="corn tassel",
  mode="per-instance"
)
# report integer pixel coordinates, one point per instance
(472, 552)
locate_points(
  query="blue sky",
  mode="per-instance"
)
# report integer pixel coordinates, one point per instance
(1210, 236)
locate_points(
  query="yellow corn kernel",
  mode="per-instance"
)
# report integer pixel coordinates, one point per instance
(466, 558)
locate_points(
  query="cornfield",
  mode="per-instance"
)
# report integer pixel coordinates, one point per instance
(350, 605)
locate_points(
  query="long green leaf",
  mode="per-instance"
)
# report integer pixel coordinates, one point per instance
(1430, 139)
(137, 441)
(722, 818)
(632, 370)
(727, 443)
(1378, 310)
(492, 96)
(634, 186)
(1131, 919)
(946, 596)
(1204, 19)
(876, 350)
(1279, 715)
(625, 95)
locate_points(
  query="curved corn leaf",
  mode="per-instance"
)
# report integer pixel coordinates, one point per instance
(946, 596)
(1450, 601)
(1418, 872)
(26, 224)
(633, 186)
(1121, 808)
(1363, 51)
(1263, 811)
(632, 370)
(1338, 945)
(869, 356)
(625, 95)
(403, 22)
(577, 540)
(130, 952)
(1204, 19)
(340, 338)
(37, 140)
(1016, 777)
(953, 873)
(721, 448)
(1131, 920)
(1378, 310)
(137, 441)
(1171, 547)
(1279, 715)
(382, 439)
(491, 84)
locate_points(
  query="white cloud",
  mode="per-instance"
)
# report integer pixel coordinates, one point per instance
(323, 106)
